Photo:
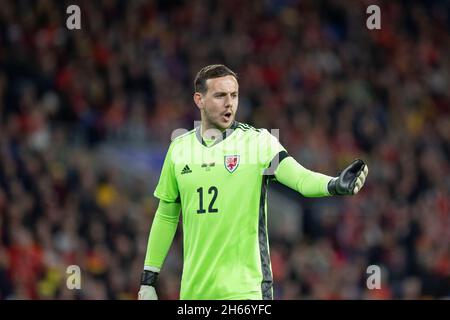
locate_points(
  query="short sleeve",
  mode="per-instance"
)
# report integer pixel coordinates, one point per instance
(167, 188)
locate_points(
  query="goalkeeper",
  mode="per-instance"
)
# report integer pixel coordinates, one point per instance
(217, 176)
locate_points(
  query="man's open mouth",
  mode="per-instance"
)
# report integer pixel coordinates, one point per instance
(227, 115)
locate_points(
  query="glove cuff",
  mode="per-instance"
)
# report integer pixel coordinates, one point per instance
(149, 278)
(332, 186)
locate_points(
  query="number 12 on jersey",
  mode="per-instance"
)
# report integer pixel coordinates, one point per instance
(212, 190)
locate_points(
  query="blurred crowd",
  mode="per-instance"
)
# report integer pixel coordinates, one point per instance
(311, 69)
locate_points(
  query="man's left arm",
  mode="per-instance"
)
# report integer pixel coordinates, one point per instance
(313, 184)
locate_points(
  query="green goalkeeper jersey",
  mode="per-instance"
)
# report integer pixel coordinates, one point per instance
(222, 190)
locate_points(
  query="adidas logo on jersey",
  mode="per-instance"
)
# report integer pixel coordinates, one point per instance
(186, 169)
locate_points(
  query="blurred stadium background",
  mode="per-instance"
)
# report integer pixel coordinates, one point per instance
(86, 117)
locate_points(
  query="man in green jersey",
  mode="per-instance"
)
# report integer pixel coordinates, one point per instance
(216, 175)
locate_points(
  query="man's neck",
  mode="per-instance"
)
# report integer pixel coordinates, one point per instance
(210, 132)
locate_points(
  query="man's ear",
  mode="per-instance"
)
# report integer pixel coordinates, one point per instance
(198, 99)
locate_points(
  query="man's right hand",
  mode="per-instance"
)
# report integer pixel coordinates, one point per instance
(147, 293)
(148, 280)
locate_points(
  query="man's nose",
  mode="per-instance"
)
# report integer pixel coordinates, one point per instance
(228, 101)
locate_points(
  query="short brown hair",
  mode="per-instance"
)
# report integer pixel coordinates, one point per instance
(210, 72)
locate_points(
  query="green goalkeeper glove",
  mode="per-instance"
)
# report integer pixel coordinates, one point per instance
(350, 181)
(147, 290)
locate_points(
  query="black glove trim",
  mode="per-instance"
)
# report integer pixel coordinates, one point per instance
(332, 186)
(149, 278)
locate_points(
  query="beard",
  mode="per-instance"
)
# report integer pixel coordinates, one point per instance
(216, 121)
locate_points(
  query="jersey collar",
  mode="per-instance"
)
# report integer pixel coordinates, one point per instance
(226, 133)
